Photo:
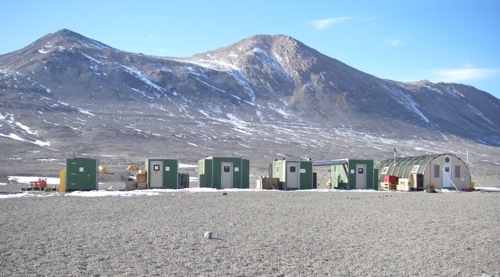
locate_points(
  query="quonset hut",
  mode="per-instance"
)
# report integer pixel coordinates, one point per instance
(443, 171)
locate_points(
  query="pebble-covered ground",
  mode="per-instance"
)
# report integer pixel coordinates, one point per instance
(254, 233)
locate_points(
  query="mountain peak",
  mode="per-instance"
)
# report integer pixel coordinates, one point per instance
(270, 73)
(63, 39)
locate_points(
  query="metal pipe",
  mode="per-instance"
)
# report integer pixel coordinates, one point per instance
(329, 162)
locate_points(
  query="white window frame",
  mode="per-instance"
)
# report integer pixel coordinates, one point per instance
(384, 171)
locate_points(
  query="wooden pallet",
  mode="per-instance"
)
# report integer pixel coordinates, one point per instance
(49, 189)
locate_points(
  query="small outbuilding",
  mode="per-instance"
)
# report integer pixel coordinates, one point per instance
(224, 172)
(293, 174)
(80, 174)
(351, 173)
(439, 171)
(162, 173)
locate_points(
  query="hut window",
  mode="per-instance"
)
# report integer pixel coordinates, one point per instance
(227, 168)
(436, 171)
(457, 171)
(293, 169)
(415, 169)
(384, 171)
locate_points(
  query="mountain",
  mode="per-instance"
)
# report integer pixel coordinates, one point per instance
(263, 97)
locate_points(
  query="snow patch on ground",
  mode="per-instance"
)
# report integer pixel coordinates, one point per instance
(24, 194)
(28, 179)
(103, 193)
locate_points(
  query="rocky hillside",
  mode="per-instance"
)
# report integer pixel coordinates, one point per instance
(262, 97)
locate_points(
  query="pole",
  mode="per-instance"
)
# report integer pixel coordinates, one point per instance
(395, 156)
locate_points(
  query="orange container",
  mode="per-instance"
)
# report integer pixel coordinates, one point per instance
(41, 184)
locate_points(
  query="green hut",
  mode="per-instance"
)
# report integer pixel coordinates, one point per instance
(293, 174)
(162, 173)
(81, 174)
(224, 172)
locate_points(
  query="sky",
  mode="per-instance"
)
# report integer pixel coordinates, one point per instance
(403, 40)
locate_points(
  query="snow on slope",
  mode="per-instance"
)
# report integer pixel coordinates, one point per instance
(138, 74)
(223, 66)
(17, 129)
(406, 101)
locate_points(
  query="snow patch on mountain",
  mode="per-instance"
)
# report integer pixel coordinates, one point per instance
(138, 74)
(90, 58)
(17, 127)
(405, 100)
(16, 137)
(476, 111)
(217, 65)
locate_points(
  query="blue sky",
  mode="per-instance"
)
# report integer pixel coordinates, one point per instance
(438, 40)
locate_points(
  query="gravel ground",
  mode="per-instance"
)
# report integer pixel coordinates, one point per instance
(255, 233)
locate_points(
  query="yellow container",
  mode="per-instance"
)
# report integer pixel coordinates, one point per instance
(62, 180)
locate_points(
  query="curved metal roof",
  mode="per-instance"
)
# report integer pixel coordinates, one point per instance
(403, 166)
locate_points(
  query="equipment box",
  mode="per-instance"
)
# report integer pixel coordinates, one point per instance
(403, 184)
(390, 179)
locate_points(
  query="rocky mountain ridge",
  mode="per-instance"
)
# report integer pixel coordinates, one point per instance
(263, 96)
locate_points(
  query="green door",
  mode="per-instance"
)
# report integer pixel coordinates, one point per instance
(170, 174)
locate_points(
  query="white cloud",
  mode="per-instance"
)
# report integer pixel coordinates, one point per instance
(324, 23)
(393, 42)
(463, 74)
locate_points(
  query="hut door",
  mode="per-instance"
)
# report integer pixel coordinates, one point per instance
(155, 173)
(292, 175)
(226, 178)
(360, 176)
(446, 176)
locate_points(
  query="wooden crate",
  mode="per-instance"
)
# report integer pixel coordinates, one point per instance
(388, 186)
(268, 183)
(130, 185)
(141, 178)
